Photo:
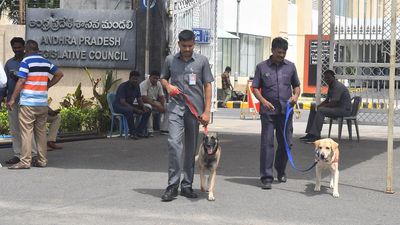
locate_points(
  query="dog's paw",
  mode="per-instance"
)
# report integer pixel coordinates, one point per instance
(211, 197)
(202, 189)
(316, 188)
(335, 194)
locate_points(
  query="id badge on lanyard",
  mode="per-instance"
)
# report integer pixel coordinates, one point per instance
(192, 78)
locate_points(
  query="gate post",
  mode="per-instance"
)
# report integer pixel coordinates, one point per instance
(389, 176)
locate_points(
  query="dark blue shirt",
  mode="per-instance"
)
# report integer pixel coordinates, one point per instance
(339, 93)
(128, 91)
(277, 83)
(11, 68)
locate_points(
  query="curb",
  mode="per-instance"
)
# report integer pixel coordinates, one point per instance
(303, 105)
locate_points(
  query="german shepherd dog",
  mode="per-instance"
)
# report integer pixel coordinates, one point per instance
(208, 156)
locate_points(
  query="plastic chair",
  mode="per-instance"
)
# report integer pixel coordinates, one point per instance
(123, 122)
(353, 117)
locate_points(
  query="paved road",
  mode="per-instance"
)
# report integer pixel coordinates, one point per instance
(117, 181)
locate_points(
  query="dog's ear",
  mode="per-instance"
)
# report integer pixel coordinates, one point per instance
(334, 145)
(316, 143)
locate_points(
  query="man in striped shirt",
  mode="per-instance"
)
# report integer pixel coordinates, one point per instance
(32, 87)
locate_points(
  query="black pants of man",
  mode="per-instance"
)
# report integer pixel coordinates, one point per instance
(271, 125)
(316, 118)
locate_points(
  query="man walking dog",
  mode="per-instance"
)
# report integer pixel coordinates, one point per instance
(185, 73)
(275, 83)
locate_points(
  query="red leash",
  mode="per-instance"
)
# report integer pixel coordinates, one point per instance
(190, 105)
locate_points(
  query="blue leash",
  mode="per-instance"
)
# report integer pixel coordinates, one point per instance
(289, 111)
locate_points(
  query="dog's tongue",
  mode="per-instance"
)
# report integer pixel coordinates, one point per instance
(209, 151)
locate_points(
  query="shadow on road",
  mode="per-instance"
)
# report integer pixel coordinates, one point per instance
(240, 155)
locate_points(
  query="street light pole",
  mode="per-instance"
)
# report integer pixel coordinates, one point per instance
(237, 44)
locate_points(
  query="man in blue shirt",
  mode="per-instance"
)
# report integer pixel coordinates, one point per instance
(11, 68)
(275, 83)
(127, 93)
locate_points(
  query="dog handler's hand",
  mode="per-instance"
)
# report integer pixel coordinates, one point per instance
(172, 90)
(205, 118)
(268, 105)
(293, 100)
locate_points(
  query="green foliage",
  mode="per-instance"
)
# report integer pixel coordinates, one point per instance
(108, 82)
(71, 119)
(10, 8)
(77, 100)
(102, 114)
(81, 114)
(4, 126)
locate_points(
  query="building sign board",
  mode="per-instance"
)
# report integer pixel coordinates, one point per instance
(202, 36)
(84, 38)
(311, 61)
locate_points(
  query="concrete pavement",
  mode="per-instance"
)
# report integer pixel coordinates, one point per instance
(118, 181)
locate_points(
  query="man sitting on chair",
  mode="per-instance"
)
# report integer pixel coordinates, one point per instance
(336, 104)
(127, 93)
(153, 97)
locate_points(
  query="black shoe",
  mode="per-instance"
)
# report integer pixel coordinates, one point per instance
(13, 160)
(142, 135)
(169, 194)
(133, 136)
(282, 178)
(266, 185)
(312, 139)
(306, 137)
(34, 160)
(188, 192)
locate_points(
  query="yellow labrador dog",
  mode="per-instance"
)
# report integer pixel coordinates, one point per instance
(207, 158)
(327, 152)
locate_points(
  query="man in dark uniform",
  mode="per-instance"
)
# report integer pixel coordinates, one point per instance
(127, 93)
(275, 83)
(191, 74)
(337, 103)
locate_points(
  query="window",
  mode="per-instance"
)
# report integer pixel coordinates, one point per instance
(251, 53)
(251, 56)
(243, 54)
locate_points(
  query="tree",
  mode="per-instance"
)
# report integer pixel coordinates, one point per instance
(10, 8)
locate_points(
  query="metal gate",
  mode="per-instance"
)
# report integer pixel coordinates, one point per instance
(359, 52)
(189, 14)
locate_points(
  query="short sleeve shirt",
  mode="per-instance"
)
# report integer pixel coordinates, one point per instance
(190, 77)
(36, 70)
(151, 91)
(127, 91)
(11, 68)
(276, 83)
(339, 93)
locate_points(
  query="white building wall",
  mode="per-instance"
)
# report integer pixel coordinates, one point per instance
(291, 54)
(255, 16)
